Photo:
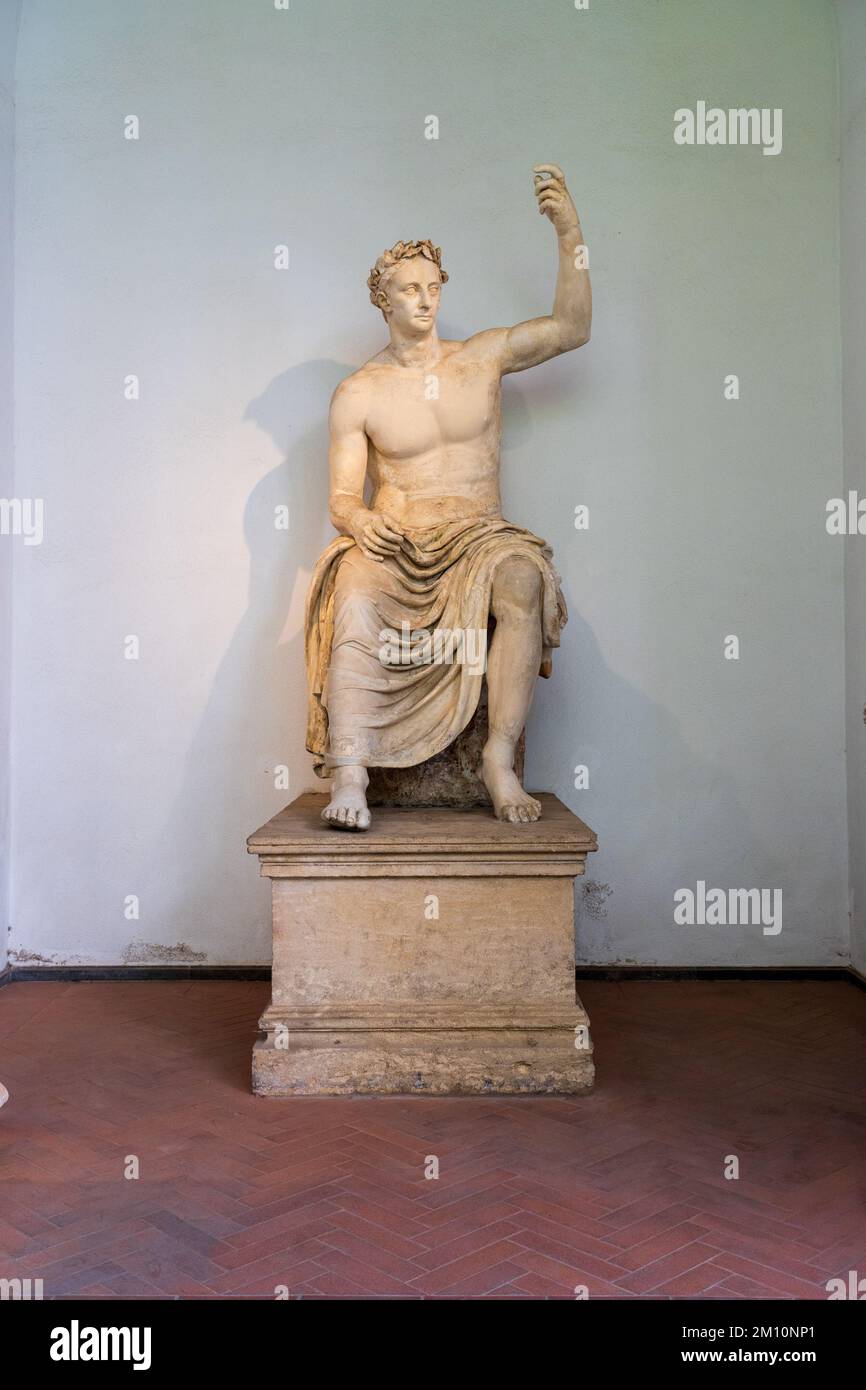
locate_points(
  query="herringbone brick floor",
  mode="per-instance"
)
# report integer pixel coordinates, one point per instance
(623, 1192)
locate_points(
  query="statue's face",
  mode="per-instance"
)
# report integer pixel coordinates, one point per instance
(413, 290)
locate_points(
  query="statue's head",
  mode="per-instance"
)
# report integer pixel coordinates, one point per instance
(405, 283)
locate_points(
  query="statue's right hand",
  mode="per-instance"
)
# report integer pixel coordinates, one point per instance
(377, 535)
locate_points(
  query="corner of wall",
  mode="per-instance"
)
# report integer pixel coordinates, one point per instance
(9, 22)
(851, 34)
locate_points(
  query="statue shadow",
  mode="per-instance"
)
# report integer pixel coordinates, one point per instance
(663, 814)
(257, 708)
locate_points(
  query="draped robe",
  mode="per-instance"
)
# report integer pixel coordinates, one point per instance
(380, 703)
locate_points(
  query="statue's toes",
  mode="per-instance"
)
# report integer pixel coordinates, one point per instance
(350, 817)
(363, 819)
(523, 813)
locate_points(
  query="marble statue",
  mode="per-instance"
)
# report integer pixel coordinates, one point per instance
(400, 602)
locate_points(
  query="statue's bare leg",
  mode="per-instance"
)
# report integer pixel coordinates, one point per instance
(512, 670)
(356, 628)
(347, 808)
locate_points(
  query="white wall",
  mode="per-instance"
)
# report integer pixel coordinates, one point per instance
(155, 257)
(9, 16)
(852, 103)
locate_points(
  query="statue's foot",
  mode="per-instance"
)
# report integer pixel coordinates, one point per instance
(347, 808)
(510, 801)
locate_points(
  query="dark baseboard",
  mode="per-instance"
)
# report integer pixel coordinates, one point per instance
(617, 973)
(75, 973)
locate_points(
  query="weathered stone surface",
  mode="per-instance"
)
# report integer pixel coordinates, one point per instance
(451, 778)
(504, 1061)
(433, 955)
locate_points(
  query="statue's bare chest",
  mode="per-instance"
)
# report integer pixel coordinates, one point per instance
(412, 413)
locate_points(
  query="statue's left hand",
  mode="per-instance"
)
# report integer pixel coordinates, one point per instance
(554, 199)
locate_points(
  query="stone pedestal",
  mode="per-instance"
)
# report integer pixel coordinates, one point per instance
(432, 954)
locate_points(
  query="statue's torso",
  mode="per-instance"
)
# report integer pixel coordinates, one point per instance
(434, 438)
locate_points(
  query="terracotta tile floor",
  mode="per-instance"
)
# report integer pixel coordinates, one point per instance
(623, 1191)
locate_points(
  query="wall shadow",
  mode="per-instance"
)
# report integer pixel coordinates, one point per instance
(256, 711)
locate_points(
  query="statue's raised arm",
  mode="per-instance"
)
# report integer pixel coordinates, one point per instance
(568, 324)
